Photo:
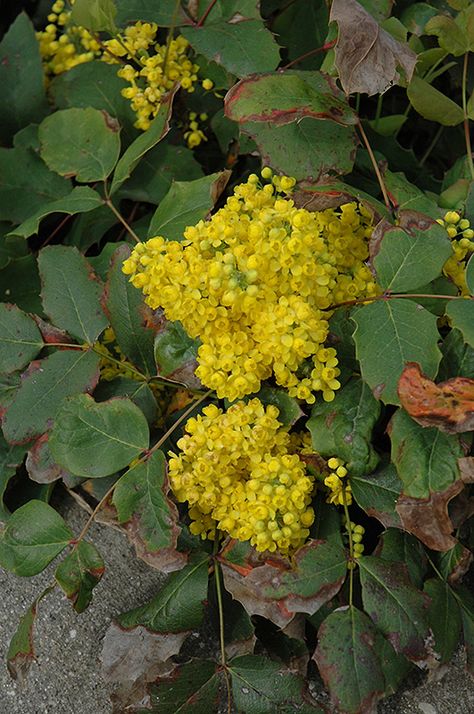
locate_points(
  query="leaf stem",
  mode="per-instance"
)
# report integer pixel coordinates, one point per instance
(391, 296)
(467, 135)
(205, 14)
(220, 608)
(323, 48)
(108, 202)
(432, 144)
(375, 165)
(351, 547)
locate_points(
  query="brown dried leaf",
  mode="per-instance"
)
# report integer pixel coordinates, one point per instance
(449, 406)
(428, 519)
(40, 464)
(367, 57)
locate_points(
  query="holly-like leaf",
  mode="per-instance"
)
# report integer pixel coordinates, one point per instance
(390, 333)
(433, 104)
(300, 149)
(81, 200)
(344, 426)
(80, 142)
(35, 534)
(186, 203)
(261, 685)
(175, 354)
(158, 129)
(79, 573)
(377, 495)
(444, 617)
(129, 316)
(285, 98)
(397, 546)
(240, 47)
(348, 662)
(42, 390)
(21, 651)
(461, 316)
(277, 590)
(26, 184)
(93, 439)
(149, 517)
(20, 339)
(368, 59)
(21, 78)
(449, 406)
(10, 458)
(71, 292)
(396, 607)
(410, 254)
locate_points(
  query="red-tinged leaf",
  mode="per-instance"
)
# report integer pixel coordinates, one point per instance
(79, 573)
(277, 590)
(193, 687)
(284, 98)
(50, 334)
(348, 662)
(444, 618)
(367, 57)
(396, 607)
(449, 406)
(318, 197)
(378, 493)
(175, 354)
(21, 651)
(397, 546)
(40, 464)
(148, 516)
(20, 339)
(454, 563)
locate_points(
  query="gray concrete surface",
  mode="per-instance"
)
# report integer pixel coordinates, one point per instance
(66, 678)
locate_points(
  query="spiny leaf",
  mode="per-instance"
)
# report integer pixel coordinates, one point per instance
(35, 534)
(97, 439)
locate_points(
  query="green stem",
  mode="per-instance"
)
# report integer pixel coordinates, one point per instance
(432, 144)
(220, 606)
(129, 229)
(375, 165)
(351, 547)
(378, 111)
(467, 135)
(392, 296)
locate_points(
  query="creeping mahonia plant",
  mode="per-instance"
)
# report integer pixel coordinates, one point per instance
(255, 284)
(461, 234)
(237, 473)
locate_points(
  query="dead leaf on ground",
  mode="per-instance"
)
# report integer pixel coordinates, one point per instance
(367, 57)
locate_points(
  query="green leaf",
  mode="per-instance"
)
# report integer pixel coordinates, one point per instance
(286, 98)
(97, 439)
(426, 458)
(344, 427)
(415, 17)
(10, 458)
(466, 602)
(35, 534)
(42, 390)
(461, 316)
(40, 464)
(300, 28)
(167, 14)
(179, 605)
(20, 339)
(185, 204)
(20, 284)
(470, 274)
(175, 354)
(348, 661)
(444, 617)
(95, 84)
(389, 125)
(450, 33)
(300, 149)
(10, 247)
(26, 184)
(128, 316)
(412, 254)
(83, 143)
(21, 78)
(192, 687)
(378, 493)
(150, 517)
(453, 563)
(21, 651)
(398, 546)
(260, 685)
(288, 407)
(152, 178)
(79, 573)
(433, 104)
(407, 195)
(71, 293)
(241, 48)
(390, 333)
(96, 15)
(394, 605)
(88, 229)
(81, 200)
(139, 392)
(158, 129)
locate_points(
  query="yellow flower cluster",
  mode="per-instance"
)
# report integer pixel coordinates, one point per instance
(340, 489)
(254, 283)
(64, 45)
(357, 534)
(461, 234)
(154, 68)
(193, 134)
(238, 474)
